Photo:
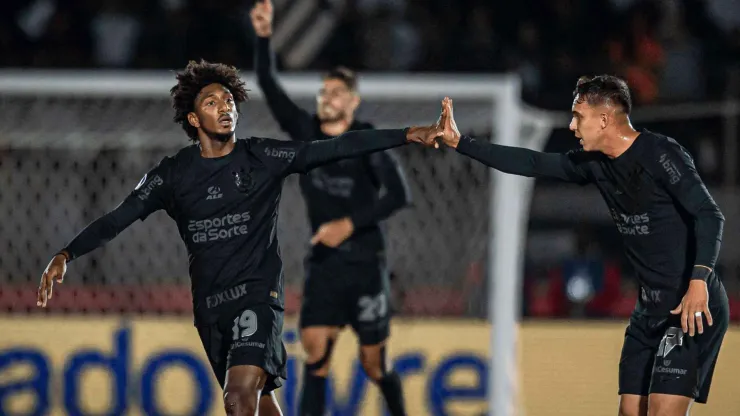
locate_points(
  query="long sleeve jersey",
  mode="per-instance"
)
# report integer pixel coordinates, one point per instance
(668, 220)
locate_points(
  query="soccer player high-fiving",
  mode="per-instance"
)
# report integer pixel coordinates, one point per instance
(223, 193)
(671, 229)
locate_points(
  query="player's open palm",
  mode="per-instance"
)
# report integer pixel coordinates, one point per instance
(54, 272)
(333, 233)
(261, 15)
(693, 305)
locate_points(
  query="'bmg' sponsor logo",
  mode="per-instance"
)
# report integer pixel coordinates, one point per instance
(219, 228)
(670, 169)
(143, 193)
(280, 153)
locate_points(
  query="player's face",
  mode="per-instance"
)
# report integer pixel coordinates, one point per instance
(215, 111)
(587, 124)
(336, 101)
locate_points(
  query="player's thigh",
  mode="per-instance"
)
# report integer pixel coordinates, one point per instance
(668, 405)
(636, 360)
(323, 299)
(633, 405)
(369, 304)
(255, 339)
(244, 383)
(216, 350)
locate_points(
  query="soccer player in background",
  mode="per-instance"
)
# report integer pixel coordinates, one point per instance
(347, 279)
(223, 193)
(671, 230)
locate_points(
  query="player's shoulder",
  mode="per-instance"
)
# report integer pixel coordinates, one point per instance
(261, 147)
(253, 143)
(659, 146)
(180, 159)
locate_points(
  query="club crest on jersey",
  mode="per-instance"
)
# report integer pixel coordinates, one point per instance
(243, 180)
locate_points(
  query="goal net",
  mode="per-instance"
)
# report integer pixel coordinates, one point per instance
(73, 145)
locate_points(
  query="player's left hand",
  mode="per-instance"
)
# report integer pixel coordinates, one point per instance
(694, 303)
(333, 233)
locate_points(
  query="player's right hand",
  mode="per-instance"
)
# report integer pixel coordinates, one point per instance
(54, 272)
(261, 15)
(426, 135)
(450, 133)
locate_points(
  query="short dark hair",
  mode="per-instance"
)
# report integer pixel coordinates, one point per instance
(193, 79)
(604, 89)
(344, 74)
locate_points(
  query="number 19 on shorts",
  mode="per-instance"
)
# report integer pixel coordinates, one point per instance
(245, 325)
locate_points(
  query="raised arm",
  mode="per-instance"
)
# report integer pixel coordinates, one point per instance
(569, 167)
(149, 196)
(292, 119)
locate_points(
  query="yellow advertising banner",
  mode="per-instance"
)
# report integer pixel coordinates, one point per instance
(92, 366)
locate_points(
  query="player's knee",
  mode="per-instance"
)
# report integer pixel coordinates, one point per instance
(624, 411)
(660, 410)
(373, 362)
(269, 406)
(633, 406)
(668, 405)
(318, 353)
(241, 400)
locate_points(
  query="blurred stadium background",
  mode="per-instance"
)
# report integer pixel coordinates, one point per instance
(84, 112)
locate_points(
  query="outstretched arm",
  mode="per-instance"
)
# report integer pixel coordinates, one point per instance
(521, 161)
(348, 145)
(568, 167)
(292, 119)
(105, 228)
(359, 142)
(286, 157)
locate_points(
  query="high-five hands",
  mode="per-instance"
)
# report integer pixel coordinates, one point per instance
(426, 135)
(261, 15)
(450, 133)
(445, 129)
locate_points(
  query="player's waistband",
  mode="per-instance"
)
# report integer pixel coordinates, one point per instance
(212, 308)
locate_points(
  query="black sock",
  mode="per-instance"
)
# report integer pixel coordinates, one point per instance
(313, 396)
(392, 390)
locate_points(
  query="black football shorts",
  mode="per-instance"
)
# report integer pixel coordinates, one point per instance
(357, 294)
(657, 357)
(252, 337)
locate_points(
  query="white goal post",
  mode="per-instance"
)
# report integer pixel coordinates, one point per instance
(75, 109)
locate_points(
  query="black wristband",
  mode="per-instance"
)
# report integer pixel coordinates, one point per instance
(700, 273)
